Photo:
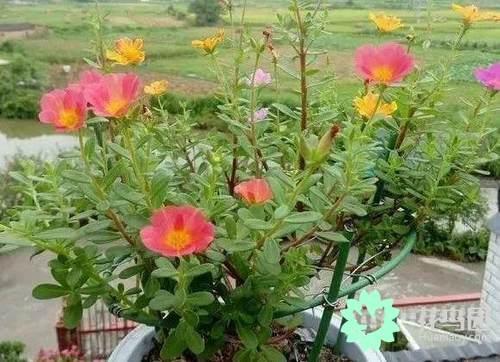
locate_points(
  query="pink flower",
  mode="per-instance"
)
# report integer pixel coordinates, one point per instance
(178, 230)
(114, 94)
(386, 64)
(260, 115)
(489, 76)
(260, 79)
(87, 78)
(66, 109)
(256, 191)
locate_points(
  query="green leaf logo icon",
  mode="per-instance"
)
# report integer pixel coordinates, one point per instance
(357, 332)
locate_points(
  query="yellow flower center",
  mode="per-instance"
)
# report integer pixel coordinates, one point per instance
(69, 117)
(127, 51)
(383, 74)
(131, 53)
(116, 106)
(178, 239)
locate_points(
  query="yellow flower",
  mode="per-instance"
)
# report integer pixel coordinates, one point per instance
(367, 106)
(494, 16)
(156, 88)
(127, 51)
(470, 13)
(386, 23)
(209, 44)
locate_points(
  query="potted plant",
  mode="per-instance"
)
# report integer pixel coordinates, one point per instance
(211, 237)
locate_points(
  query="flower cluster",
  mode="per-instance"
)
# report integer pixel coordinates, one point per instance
(106, 95)
(110, 95)
(68, 355)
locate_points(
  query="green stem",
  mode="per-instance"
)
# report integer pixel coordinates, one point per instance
(291, 203)
(315, 228)
(253, 129)
(377, 105)
(475, 113)
(82, 151)
(302, 54)
(333, 294)
(100, 48)
(102, 194)
(139, 174)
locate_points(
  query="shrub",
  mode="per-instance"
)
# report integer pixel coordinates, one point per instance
(16, 171)
(468, 246)
(207, 12)
(20, 89)
(12, 352)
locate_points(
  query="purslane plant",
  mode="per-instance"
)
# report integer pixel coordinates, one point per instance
(213, 237)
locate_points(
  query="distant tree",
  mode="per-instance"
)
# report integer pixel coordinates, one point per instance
(207, 12)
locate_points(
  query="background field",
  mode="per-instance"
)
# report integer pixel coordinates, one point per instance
(62, 37)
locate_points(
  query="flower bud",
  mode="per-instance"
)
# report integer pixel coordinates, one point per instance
(325, 143)
(304, 149)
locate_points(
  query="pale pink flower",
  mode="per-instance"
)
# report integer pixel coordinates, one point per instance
(260, 79)
(260, 115)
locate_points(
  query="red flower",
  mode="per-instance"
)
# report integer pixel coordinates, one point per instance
(256, 191)
(177, 231)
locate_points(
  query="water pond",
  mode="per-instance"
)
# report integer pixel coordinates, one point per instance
(30, 138)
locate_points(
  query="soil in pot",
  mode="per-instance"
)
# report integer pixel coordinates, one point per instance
(296, 348)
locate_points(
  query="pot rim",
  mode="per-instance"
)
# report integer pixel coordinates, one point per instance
(134, 346)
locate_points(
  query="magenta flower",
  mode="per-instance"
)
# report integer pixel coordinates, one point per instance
(489, 76)
(260, 115)
(260, 78)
